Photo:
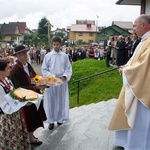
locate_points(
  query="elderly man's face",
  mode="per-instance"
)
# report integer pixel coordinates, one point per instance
(138, 27)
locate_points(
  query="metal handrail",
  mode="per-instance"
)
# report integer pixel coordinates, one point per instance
(91, 76)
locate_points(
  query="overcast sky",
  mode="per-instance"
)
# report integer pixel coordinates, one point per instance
(63, 13)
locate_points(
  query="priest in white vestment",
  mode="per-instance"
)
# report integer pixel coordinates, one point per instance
(131, 117)
(56, 98)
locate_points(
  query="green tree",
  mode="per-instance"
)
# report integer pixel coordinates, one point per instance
(42, 29)
(1, 37)
(28, 39)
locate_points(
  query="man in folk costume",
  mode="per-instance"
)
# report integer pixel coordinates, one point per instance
(21, 75)
(56, 98)
(131, 118)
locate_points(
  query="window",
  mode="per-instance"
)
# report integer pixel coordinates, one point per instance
(80, 34)
(90, 41)
(90, 34)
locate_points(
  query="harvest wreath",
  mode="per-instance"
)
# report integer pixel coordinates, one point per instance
(49, 80)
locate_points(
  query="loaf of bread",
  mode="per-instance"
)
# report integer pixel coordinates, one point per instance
(25, 94)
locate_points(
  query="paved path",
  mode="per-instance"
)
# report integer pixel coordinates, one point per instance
(87, 129)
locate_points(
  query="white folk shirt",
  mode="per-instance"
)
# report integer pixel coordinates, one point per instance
(10, 105)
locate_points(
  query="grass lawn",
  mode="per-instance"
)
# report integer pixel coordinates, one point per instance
(96, 89)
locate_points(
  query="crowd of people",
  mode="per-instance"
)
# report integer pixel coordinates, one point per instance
(117, 51)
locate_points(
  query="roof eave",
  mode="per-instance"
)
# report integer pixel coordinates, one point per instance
(119, 2)
(122, 2)
(83, 31)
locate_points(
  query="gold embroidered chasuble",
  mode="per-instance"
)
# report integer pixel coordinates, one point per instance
(137, 73)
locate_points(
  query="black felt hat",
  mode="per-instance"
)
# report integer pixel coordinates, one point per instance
(20, 49)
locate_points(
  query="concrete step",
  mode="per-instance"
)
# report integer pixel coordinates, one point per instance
(87, 129)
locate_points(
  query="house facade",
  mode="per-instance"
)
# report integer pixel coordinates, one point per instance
(145, 5)
(112, 30)
(128, 26)
(63, 30)
(84, 31)
(13, 32)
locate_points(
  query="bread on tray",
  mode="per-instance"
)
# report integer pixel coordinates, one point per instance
(49, 80)
(24, 94)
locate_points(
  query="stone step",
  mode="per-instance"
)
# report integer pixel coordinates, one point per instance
(87, 129)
